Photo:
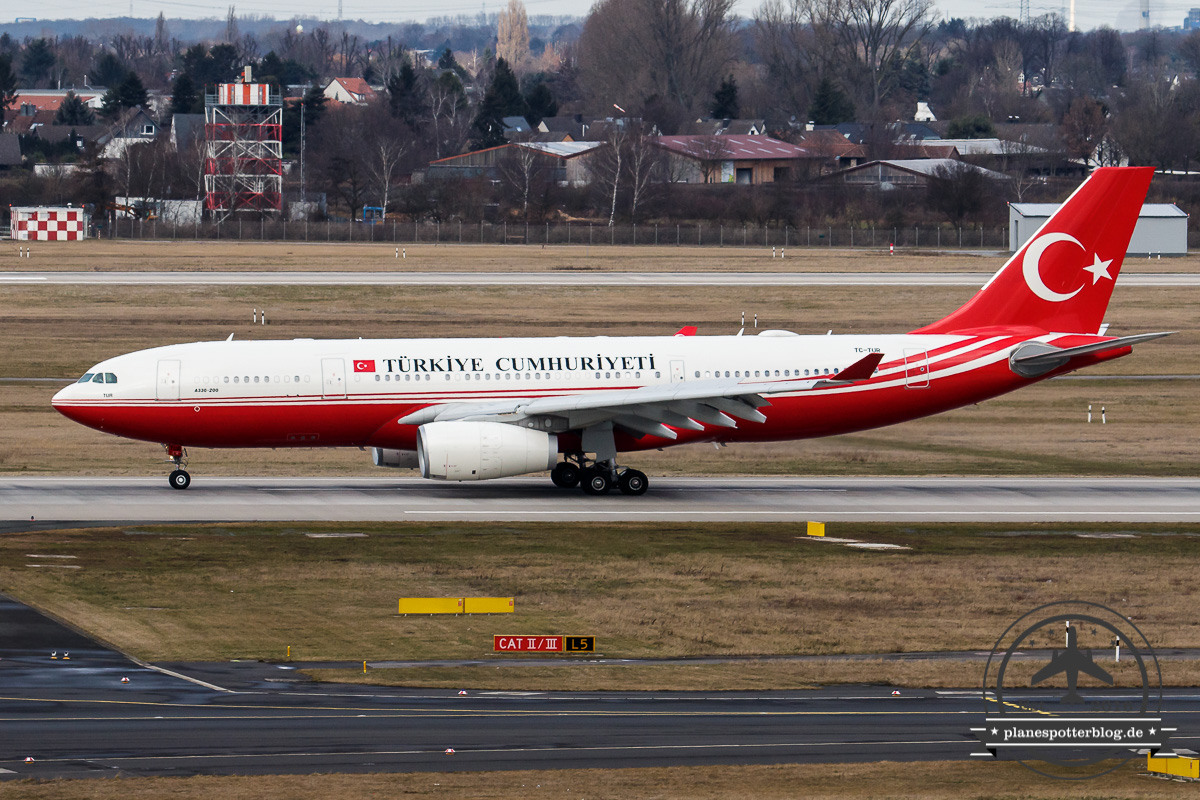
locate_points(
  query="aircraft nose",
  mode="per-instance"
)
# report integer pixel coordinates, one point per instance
(62, 395)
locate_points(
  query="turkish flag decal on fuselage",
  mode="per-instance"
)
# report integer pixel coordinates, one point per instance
(364, 366)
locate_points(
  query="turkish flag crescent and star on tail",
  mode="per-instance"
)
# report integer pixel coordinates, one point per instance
(364, 366)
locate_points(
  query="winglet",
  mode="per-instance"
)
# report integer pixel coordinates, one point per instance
(686, 330)
(860, 370)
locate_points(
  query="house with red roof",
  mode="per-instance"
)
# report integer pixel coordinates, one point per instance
(354, 91)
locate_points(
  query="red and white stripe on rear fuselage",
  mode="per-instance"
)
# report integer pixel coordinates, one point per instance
(306, 393)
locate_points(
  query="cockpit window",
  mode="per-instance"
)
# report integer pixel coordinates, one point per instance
(99, 378)
(110, 377)
(87, 376)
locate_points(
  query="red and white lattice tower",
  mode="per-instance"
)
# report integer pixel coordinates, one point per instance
(243, 132)
(44, 224)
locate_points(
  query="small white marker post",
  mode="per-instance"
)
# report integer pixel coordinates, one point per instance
(404, 252)
(397, 252)
(1089, 413)
(772, 252)
(264, 317)
(254, 316)
(1103, 418)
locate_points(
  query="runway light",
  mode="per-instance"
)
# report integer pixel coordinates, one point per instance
(54, 655)
(462, 692)
(66, 656)
(28, 759)
(895, 692)
(124, 680)
(449, 751)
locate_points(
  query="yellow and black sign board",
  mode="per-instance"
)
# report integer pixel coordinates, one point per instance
(579, 644)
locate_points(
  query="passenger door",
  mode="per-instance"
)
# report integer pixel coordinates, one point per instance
(916, 369)
(167, 387)
(333, 378)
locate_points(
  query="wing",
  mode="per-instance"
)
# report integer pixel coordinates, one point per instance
(1086, 664)
(1055, 667)
(688, 405)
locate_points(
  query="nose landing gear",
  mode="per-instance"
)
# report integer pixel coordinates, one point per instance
(179, 477)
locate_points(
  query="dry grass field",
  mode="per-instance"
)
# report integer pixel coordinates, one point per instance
(938, 780)
(58, 332)
(222, 256)
(217, 592)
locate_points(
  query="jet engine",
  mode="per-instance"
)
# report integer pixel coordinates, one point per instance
(396, 459)
(477, 451)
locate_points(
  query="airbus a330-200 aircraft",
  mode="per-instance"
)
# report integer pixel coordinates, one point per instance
(474, 409)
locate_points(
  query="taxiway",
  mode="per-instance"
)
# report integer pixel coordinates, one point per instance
(211, 499)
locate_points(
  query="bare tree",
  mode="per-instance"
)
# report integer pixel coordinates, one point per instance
(795, 51)
(643, 167)
(635, 50)
(448, 113)
(712, 152)
(512, 35)
(876, 38)
(522, 168)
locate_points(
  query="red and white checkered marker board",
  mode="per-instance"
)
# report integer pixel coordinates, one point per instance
(243, 94)
(49, 224)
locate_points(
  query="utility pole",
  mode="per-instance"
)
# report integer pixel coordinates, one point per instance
(302, 184)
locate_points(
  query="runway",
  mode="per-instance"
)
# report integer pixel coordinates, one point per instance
(76, 719)
(565, 278)
(211, 499)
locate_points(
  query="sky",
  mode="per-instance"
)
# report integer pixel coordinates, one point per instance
(1122, 14)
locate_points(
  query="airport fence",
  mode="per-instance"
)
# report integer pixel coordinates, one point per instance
(399, 233)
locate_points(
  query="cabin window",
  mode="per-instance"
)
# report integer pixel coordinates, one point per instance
(378, 377)
(87, 376)
(235, 379)
(658, 374)
(98, 378)
(786, 373)
(246, 379)
(697, 373)
(226, 379)
(298, 378)
(110, 378)
(637, 374)
(256, 379)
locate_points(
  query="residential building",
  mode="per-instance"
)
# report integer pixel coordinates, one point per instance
(353, 91)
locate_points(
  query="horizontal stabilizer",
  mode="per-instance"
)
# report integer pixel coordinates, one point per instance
(1036, 358)
(686, 330)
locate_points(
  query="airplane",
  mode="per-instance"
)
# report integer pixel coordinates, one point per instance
(474, 409)
(1071, 661)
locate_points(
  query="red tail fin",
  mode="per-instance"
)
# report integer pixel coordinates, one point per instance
(1063, 277)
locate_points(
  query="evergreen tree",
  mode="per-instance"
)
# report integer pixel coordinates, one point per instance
(73, 111)
(502, 99)
(38, 61)
(8, 83)
(446, 59)
(830, 105)
(405, 99)
(108, 72)
(725, 100)
(131, 93)
(540, 103)
(110, 104)
(977, 127)
(314, 105)
(185, 99)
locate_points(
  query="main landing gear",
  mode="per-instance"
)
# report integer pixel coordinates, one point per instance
(179, 478)
(597, 478)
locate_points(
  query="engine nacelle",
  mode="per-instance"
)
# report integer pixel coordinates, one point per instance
(477, 451)
(396, 459)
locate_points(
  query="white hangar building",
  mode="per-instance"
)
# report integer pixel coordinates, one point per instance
(1161, 227)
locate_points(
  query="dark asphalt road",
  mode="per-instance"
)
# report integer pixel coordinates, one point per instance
(76, 719)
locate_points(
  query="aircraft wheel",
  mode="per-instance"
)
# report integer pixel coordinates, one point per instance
(633, 482)
(565, 475)
(179, 479)
(596, 482)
